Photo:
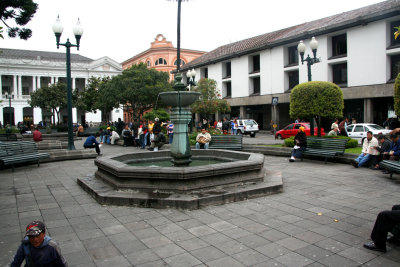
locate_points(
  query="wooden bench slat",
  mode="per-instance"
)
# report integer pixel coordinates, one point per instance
(19, 152)
(233, 142)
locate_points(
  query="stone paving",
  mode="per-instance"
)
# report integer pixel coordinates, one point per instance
(322, 218)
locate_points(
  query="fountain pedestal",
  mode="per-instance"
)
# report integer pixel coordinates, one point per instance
(180, 101)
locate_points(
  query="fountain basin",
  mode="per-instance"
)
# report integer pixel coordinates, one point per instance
(237, 176)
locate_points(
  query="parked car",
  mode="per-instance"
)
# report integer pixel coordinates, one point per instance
(293, 128)
(247, 127)
(359, 131)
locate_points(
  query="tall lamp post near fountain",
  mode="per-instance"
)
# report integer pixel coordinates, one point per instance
(180, 100)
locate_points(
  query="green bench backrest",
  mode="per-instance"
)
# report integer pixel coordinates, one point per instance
(330, 144)
(23, 147)
(226, 139)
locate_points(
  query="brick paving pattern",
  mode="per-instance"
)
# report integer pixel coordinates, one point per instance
(322, 218)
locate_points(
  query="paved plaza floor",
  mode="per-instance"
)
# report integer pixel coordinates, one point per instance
(322, 218)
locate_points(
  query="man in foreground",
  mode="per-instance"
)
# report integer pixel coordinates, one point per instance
(37, 249)
(91, 142)
(385, 223)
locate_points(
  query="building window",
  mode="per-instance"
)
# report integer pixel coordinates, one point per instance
(227, 70)
(6, 89)
(394, 42)
(255, 64)
(394, 66)
(293, 55)
(339, 45)
(255, 86)
(148, 63)
(161, 61)
(204, 73)
(182, 62)
(339, 74)
(227, 89)
(293, 79)
(25, 90)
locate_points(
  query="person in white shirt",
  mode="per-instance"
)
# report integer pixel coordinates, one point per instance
(114, 137)
(368, 151)
(203, 139)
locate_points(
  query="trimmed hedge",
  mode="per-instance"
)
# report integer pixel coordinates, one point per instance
(289, 142)
(8, 130)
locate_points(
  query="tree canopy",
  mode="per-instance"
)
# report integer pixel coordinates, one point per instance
(396, 95)
(316, 99)
(53, 97)
(21, 12)
(139, 87)
(210, 100)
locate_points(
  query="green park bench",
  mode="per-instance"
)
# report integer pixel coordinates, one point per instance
(20, 152)
(390, 165)
(90, 131)
(325, 147)
(233, 142)
(8, 137)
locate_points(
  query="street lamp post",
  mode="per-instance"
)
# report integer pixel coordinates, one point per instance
(301, 47)
(9, 97)
(78, 31)
(191, 74)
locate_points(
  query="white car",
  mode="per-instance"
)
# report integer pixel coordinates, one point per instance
(359, 131)
(248, 127)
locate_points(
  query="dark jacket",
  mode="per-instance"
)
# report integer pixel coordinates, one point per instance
(91, 140)
(395, 147)
(160, 137)
(384, 146)
(48, 254)
(226, 125)
(300, 139)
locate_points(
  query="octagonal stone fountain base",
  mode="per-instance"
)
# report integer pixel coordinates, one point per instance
(138, 179)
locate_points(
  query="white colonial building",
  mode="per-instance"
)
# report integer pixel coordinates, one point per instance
(356, 49)
(23, 71)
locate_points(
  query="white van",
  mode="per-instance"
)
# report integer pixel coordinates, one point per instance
(248, 126)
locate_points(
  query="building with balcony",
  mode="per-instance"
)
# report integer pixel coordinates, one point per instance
(357, 51)
(23, 71)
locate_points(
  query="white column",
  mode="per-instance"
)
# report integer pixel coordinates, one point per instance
(1, 115)
(18, 113)
(15, 86)
(74, 115)
(19, 86)
(37, 115)
(52, 80)
(86, 81)
(73, 84)
(33, 83)
(38, 82)
(1, 87)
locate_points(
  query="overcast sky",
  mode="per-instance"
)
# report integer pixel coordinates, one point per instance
(121, 29)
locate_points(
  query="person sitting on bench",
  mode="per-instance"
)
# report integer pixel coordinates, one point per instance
(386, 222)
(91, 142)
(368, 151)
(300, 144)
(203, 139)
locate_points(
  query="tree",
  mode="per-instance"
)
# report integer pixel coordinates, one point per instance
(108, 98)
(88, 98)
(21, 11)
(210, 100)
(139, 87)
(161, 113)
(53, 97)
(316, 99)
(396, 95)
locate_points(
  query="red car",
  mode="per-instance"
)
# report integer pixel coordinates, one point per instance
(293, 128)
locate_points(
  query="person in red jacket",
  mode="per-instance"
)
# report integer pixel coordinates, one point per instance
(37, 136)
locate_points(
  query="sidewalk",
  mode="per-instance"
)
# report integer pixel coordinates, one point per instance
(322, 218)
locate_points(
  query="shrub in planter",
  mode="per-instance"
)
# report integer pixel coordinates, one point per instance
(9, 130)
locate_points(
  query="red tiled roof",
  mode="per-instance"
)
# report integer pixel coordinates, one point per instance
(306, 30)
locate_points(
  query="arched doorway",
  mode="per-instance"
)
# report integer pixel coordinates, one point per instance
(28, 116)
(7, 113)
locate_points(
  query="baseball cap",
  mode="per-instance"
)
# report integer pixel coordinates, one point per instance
(156, 119)
(108, 128)
(35, 228)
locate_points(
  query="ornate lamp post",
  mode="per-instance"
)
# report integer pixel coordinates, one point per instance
(78, 31)
(9, 97)
(301, 47)
(191, 74)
